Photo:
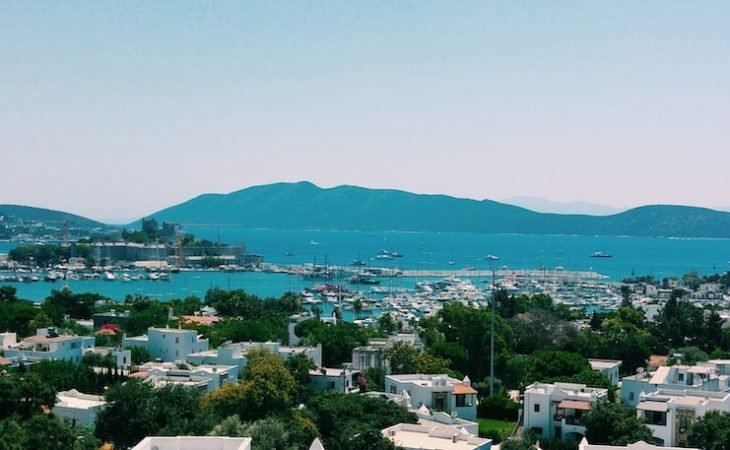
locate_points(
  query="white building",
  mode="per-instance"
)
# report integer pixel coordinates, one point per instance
(705, 377)
(555, 410)
(193, 443)
(420, 437)
(640, 445)
(46, 344)
(235, 354)
(333, 379)
(436, 392)
(607, 367)
(204, 377)
(168, 344)
(669, 414)
(8, 339)
(373, 355)
(77, 408)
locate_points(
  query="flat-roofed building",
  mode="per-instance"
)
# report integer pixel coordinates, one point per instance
(193, 443)
(438, 392)
(701, 377)
(556, 410)
(47, 344)
(639, 445)
(669, 414)
(607, 367)
(77, 408)
(420, 437)
(168, 344)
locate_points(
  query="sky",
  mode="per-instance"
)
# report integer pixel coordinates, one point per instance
(116, 109)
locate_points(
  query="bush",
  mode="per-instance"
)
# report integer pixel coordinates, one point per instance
(498, 406)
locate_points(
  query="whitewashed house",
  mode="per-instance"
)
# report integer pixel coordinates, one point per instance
(47, 344)
(669, 414)
(555, 410)
(193, 443)
(168, 344)
(421, 437)
(705, 377)
(640, 445)
(436, 392)
(77, 408)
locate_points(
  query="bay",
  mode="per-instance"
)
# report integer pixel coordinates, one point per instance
(658, 257)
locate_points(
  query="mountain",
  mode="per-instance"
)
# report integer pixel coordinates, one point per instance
(48, 216)
(305, 206)
(543, 205)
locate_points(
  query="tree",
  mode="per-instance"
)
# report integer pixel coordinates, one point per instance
(135, 409)
(405, 358)
(48, 433)
(612, 424)
(340, 417)
(12, 435)
(711, 432)
(337, 340)
(387, 325)
(268, 388)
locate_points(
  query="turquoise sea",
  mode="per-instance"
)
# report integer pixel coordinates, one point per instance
(658, 257)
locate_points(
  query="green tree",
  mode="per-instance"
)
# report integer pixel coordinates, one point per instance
(340, 417)
(337, 340)
(267, 388)
(12, 435)
(612, 424)
(711, 432)
(48, 433)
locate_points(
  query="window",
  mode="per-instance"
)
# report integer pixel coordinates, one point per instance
(177, 340)
(460, 400)
(631, 396)
(536, 430)
(655, 418)
(536, 408)
(680, 377)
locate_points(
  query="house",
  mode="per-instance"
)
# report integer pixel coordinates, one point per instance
(204, 377)
(420, 437)
(436, 392)
(77, 408)
(168, 344)
(607, 367)
(704, 377)
(193, 443)
(111, 317)
(669, 414)
(373, 355)
(555, 410)
(640, 445)
(338, 380)
(47, 344)
(235, 353)
(122, 358)
(8, 339)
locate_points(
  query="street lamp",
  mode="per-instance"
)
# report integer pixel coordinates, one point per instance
(491, 259)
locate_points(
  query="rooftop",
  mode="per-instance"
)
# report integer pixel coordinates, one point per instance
(77, 400)
(194, 443)
(432, 438)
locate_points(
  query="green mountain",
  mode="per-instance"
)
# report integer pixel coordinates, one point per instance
(48, 216)
(305, 206)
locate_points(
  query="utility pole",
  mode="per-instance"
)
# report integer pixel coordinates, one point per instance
(491, 259)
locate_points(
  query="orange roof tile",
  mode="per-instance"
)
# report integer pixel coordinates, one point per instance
(463, 389)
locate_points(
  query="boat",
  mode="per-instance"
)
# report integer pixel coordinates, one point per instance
(363, 279)
(108, 276)
(396, 254)
(492, 258)
(288, 254)
(601, 255)
(358, 262)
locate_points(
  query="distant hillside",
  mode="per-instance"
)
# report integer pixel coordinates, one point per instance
(306, 206)
(48, 216)
(542, 205)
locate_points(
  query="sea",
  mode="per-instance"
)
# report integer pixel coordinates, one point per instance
(421, 251)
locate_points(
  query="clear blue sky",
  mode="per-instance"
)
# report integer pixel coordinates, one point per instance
(116, 109)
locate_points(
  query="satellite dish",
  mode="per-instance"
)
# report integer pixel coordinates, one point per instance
(639, 370)
(453, 415)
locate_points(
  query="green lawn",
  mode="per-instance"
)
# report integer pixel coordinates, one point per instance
(504, 427)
